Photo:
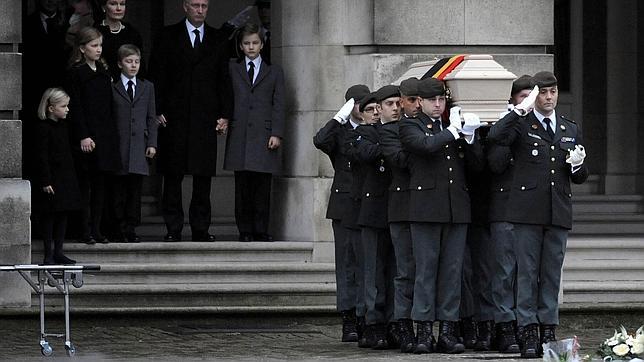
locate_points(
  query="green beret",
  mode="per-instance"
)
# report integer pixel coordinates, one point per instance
(544, 79)
(356, 92)
(521, 83)
(409, 87)
(430, 88)
(387, 91)
(369, 98)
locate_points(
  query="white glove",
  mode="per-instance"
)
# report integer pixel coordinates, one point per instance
(455, 118)
(472, 122)
(576, 156)
(527, 104)
(343, 114)
(242, 17)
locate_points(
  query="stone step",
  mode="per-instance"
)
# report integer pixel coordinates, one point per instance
(593, 185)
(614, 248)
(184, 252)
(153, 227)
(219, 273)
(190, 297)
(607, 271)
(582, 204)
(608, 224)
(598, 292)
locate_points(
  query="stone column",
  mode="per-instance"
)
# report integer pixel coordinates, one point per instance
(621, 101)
(15, 195)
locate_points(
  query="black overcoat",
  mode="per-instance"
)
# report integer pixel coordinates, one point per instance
(192, 91)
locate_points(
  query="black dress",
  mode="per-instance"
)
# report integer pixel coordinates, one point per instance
(113, 41)
(55, 167)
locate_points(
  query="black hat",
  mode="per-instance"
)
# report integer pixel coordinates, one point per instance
(356, 92)
(409, 87)
(369, 98)
(430, 88)
(521, 83)
(543, 79)
(387, 92)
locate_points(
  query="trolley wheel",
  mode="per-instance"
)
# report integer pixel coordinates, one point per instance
(46, 349)
(70, 350)
(77, 282)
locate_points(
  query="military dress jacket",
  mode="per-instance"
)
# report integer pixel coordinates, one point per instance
(437, 162)
(330, 140)
(358, 176)
(365, 149)
(540, 192)
(501, 165)
(396, 159)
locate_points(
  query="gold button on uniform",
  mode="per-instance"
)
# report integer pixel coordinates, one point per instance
(420, 188)
(552, 172)
(367, 194)
(522, 187)
(448, 157)
(450, 169)
(397, 188)
(552, 183)
(501, 189)
(336, 190)
(552, 159)
(552, 147)
(536, 144)
(451, 181)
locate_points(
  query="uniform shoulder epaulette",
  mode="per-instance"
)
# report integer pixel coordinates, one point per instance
(567, 119)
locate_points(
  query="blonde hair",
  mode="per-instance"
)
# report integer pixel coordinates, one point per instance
(50, 97)
(84, 36)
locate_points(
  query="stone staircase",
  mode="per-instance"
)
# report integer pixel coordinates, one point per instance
(604, 265)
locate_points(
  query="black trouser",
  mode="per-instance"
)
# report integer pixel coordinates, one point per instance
(172, 204)
(252, 201)
(126, 203)
(92, 189)
(53, 225)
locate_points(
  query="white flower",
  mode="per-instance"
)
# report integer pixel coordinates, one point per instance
(639, 339)
(638, 348)
(630, 341)
(621, 350)
(612, 341)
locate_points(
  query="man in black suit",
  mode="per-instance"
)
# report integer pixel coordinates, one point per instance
(189, 66)
(548, 154)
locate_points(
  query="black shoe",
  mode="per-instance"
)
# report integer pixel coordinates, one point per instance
(425, 337)
(245, 237)
(447, 340)
(263, 237)
(360, 327)
(49, 252)
(172, 237)
(132, 238)
(506, 338)
(547, 333)
(484, 336)
(203, 237)
(367, 336)
(531, 347)
(393, 335)
(349, 333)
(379, 336)
(406, 336)
(468, 332)
(87, 240)
(519, 334)
(59, 257)
(100, 239)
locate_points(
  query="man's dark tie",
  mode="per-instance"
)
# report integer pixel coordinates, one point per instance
(197, 42)
(548, 123)
(437, 124)
(130, 89)
(251, 71)
(51, 25)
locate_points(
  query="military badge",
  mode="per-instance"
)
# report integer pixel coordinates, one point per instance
(535, 153)
(534, 126)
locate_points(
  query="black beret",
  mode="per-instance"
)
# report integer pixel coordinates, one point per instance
(430, 88)
(356, 92)
(409, 87)
(369, 98)
(521, 83)
(387, 91)
(544, 79)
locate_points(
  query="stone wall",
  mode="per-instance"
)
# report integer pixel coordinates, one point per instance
(15, 194)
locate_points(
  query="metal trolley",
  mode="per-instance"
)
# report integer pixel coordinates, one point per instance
(59, 277)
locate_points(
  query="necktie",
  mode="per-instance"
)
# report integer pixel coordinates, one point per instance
(50, 24)
(197, 42)
(548, 123)
(130, 89)
(251, 71)
(437, 125)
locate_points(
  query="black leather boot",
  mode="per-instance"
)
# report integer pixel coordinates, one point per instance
(519, 334)
(407, 336)
(349, 333)
(468, 332)
(531, 347)
(49, 252)
(485, 336)
(367, 336)
(379, 340)
(447, 339)
(547, 333)
(59, 257)
(506, 337)
(393, 335)
(425, 337)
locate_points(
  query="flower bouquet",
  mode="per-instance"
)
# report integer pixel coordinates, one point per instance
(623, 347)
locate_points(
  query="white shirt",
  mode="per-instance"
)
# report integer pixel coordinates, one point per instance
(552, 117)
(125, 79)
(353, 124)
(191, 33)
(257, 61)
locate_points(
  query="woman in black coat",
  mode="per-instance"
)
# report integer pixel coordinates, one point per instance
(55, 189)
(94, 137)
(116, 32)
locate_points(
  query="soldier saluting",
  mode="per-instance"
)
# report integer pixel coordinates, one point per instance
(548, 154)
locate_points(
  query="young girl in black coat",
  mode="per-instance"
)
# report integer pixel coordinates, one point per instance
(55, 189)
(94, 138)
